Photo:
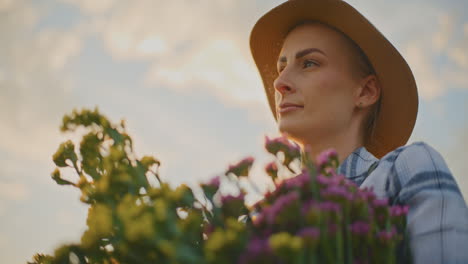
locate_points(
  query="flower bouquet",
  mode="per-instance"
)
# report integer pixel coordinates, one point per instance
(312, 216)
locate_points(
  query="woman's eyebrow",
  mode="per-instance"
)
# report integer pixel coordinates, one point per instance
(302, 53)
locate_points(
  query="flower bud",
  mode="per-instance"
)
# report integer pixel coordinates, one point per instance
(241, 168)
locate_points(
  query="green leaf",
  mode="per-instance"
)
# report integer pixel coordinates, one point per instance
(56, 177)
(66, 151)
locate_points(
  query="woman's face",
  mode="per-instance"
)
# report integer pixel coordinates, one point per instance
(315, 72)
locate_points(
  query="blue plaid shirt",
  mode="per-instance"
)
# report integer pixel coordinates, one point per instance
(417, 175)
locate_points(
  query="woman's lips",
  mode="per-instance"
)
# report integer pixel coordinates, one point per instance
(290, 108)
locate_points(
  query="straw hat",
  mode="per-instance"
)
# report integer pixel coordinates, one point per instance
(399, 101)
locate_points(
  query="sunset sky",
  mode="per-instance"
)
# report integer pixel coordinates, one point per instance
(180, 73)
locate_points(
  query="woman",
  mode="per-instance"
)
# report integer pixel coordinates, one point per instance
(334, 81)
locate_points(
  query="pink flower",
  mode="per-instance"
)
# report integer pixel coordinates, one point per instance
(380, 202)
(337, 192)
(297, 181)
(258, 245)
(258, 251)
(359, 228)
(279, 205)
(322, 179)
(309, 233)
(397, 210)
(272, 170)
(329, 206)
(233, 206)
(282, 144)
(365, 194)
(325, 157)
(337, 179)
(241, 168)
(274, 145)
(333, 179)
(387, 235)
(307, 205)
(215, 182)
(228, 198)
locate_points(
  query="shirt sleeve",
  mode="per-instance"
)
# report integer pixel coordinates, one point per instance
(437, 221)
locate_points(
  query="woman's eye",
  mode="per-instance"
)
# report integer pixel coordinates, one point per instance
(308, 63)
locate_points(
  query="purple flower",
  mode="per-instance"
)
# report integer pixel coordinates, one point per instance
(215, 182)
(331, 171)
(282, 144)
(337, 179)
(329, 206)
(272, 170)
(387, 235)
(359, 228)
(257, 246)
(258, 250)
(233, 206)
(322, 179)
(241, 168)
(210, 188)
(380, 202)
(350, 184)
(310, 235)
(332, 179)
(336, 191)
(279, 205)
(365, 194)
(306, 206)
(276, 144)
(297, 181)
(309, 232)
(228, 198)
(397, 210)
(325, 157)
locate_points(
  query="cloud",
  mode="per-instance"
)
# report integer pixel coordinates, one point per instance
(91, 6)
(58, 47)
(429, 84)
(13, 191)
(191, 45)
(4, 240)
(439, 59)
(441, 37)
(457, 160)
(218, 65)
(34, 88)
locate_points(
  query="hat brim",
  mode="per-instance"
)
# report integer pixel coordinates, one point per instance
(399, 97)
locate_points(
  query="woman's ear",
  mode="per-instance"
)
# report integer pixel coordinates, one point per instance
(368, 92)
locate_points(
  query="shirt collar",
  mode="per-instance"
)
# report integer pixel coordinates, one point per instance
(357, 164)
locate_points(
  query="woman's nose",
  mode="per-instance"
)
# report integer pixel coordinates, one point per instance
(282, 85)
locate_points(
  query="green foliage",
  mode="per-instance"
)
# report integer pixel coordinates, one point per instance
(129, 220)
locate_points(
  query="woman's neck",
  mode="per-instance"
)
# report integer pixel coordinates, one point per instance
(343, 144)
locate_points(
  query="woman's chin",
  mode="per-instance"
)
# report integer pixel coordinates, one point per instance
(292, 127)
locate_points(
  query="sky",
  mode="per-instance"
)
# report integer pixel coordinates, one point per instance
(180, 73)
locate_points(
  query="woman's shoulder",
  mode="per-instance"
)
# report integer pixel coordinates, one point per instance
(419, 167)
(415, 158)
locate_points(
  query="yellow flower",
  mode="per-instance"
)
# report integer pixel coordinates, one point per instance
(285, 244)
